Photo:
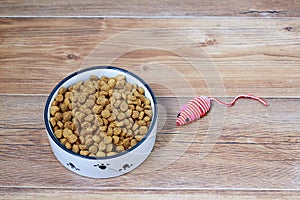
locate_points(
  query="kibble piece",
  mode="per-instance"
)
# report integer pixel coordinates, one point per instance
(139, 102)
(96, 138)
(105, 87)
(60, 124)
(67, 116)
(89, 130)
(116, 139)
(91, 89)
(141, 116)
(133, 142)
(103, 128)
(119, 124)
(131, 107)
(112, 82)
(110, 131)
(82, 147)
(100, 154)
(123, 106)
(72, 138)
(108, 107)
(75, 148)
(143, 130)
(85, 125)
(54, 103)
(135, 114)
(82, 139)
(111, 118)
(141, 123)
(128, 113)
(68, 145)
(126, 122)
(120, 84)
(105, 113)
(139, 108)
(147, 119)
(84, 152)
(58, 133)
(102, 101)
(147, 102)
(59, 98)
(102, 146)
(93, 149)
(89, 118)
(120, 77)
(128, 87)
(109, 148)
(107, 139)
(117, 131)
(52, 121)
(89, 103)
(129, 133)
(111, 153)
(119, 148)
(97, 109)
(64, 107)
(139, 137)
(54, 109)
(86, 111)
(126, 142)
(135, 126)
(148, 112)
(81, 98)
(89, 141)
(55, 128)
(141, 90)
(63, 141)
(121, 116)
(67, 132)
(58, 116)
(62, 90)
(117, 103)
(94, 78)
(79, 116)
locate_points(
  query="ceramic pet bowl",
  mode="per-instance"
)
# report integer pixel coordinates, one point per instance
(102, 167)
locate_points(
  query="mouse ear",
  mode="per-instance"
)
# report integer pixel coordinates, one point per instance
(183, 108)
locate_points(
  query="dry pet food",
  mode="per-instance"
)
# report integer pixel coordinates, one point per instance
(101, 116)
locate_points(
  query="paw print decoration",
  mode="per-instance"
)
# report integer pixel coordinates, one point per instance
(73, 166)
(125, 167)
(103, 166)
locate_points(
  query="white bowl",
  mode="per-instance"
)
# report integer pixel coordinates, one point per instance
(102, 167)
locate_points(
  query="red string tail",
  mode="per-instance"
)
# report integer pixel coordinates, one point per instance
(240, 96)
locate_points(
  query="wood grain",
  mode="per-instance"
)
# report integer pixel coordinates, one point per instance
(229, 56)
(161, 9)
(23, 193)
(238, 150)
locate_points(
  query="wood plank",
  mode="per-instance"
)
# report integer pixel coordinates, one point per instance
(219, 56)
(234, 148)
(25, 193)
(163, 8)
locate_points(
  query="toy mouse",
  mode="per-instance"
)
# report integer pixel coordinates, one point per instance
(198, 106)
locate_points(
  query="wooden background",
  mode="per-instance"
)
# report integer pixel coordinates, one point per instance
(227, 48)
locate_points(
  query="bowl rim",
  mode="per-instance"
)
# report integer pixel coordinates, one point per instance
(57, 87)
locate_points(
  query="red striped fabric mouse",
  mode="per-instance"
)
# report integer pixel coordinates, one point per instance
(198, 106)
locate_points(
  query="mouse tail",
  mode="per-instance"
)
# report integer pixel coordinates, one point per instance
(264, 102)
